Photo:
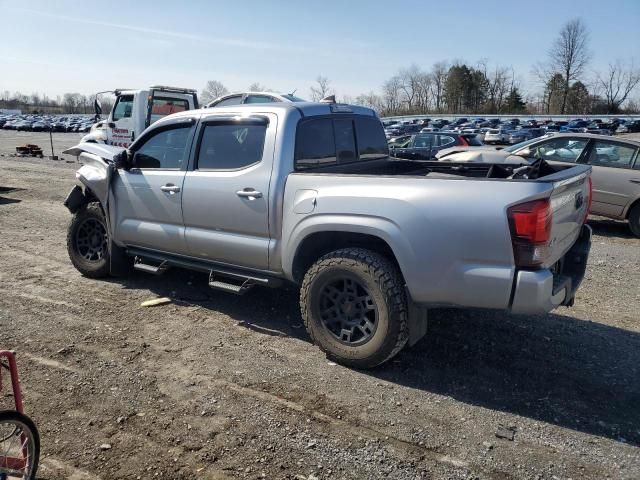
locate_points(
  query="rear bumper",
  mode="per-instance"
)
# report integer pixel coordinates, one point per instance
(540, 291)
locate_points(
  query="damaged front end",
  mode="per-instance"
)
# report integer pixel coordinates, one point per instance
(94, 176)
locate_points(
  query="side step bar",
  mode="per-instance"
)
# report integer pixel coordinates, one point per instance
(240, 287)
(138, 264)
(228, 279)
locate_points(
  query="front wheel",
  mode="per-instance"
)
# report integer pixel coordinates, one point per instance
(19, 446)
(354, 307)
(88, 241)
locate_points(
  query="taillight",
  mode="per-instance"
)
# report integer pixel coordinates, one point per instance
(530, 225)
(589, 202)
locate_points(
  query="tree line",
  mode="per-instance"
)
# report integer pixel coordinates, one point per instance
(564, 85)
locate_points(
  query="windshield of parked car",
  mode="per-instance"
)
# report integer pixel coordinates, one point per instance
(520, 145)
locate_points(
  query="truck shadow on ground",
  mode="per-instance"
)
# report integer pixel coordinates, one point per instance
(605, 227)
(573, 373)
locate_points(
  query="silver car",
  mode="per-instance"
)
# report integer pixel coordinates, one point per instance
(615, 163)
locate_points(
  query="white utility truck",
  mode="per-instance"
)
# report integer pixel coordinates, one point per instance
(135, 110)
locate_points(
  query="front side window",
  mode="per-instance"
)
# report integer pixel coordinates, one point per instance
(165, 150)
(561, 149)
(607, 154)
(230, 147)
(123, 107)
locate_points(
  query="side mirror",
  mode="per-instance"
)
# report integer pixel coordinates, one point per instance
(111, 125)
(123, 160)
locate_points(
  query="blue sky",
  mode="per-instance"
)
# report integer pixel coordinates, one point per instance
(67, 45)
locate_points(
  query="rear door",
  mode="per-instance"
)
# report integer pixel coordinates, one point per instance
(226, 192)
(615, 183)
(149, 196)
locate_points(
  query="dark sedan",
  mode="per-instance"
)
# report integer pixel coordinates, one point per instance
(424, 146)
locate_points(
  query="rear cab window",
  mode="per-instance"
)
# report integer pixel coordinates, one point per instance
(332, 141)
(163, 106)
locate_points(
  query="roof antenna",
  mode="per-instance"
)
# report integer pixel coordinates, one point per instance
(294, 92)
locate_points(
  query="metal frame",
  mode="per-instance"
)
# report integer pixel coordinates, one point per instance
(13, 373)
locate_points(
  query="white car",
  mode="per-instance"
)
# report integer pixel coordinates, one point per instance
(252, 97)
(496, 136)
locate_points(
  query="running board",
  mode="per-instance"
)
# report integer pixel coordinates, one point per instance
(223, 277)
(146, 268)
(240, 287)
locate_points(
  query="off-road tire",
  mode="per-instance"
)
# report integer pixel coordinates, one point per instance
(634, 220)
(386, 287)
(98, 268)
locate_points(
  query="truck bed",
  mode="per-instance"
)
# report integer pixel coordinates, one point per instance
(435, 169)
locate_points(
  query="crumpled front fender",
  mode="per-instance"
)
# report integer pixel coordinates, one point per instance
(97, 168)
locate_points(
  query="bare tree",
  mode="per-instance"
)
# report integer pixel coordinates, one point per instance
(391, 94)
(569, 55)
(212, 90)
(258, 87)
(321, 89)
(438, 80)
(617, 83)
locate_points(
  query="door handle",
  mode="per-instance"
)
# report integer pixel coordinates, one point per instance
(635, 180)
(249, 193)
(170, 188)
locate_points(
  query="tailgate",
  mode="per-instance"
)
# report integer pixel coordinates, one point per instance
(570, 202)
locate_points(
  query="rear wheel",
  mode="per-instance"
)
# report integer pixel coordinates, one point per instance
(88, 241)
(634, 220)
(19, 446)
(354, 307)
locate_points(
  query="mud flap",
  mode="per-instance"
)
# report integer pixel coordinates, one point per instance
(120, 264)
(417, 321)
(75, 199)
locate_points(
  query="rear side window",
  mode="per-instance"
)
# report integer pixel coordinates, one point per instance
(607, 154)
(260, 99)
(444, 140)
(235, 100)
(372, 142)
(167, 106)
(230, 147)
(315, 144)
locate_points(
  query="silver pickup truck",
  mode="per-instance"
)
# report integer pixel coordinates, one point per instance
(307, 193)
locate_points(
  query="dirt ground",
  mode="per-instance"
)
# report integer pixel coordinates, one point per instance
(215, 386)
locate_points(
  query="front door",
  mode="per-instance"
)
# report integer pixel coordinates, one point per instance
(121, 125)
(149, 196)
(226, 193)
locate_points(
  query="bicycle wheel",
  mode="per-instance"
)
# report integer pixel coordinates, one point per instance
(19, 446)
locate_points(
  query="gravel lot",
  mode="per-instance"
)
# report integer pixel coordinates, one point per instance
(215, 386)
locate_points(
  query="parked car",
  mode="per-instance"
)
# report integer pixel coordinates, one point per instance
(312, 198)
(629, 127)
(615, 163)
(496, 136)
(424, 146)
(252, 97)
(517, 136)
